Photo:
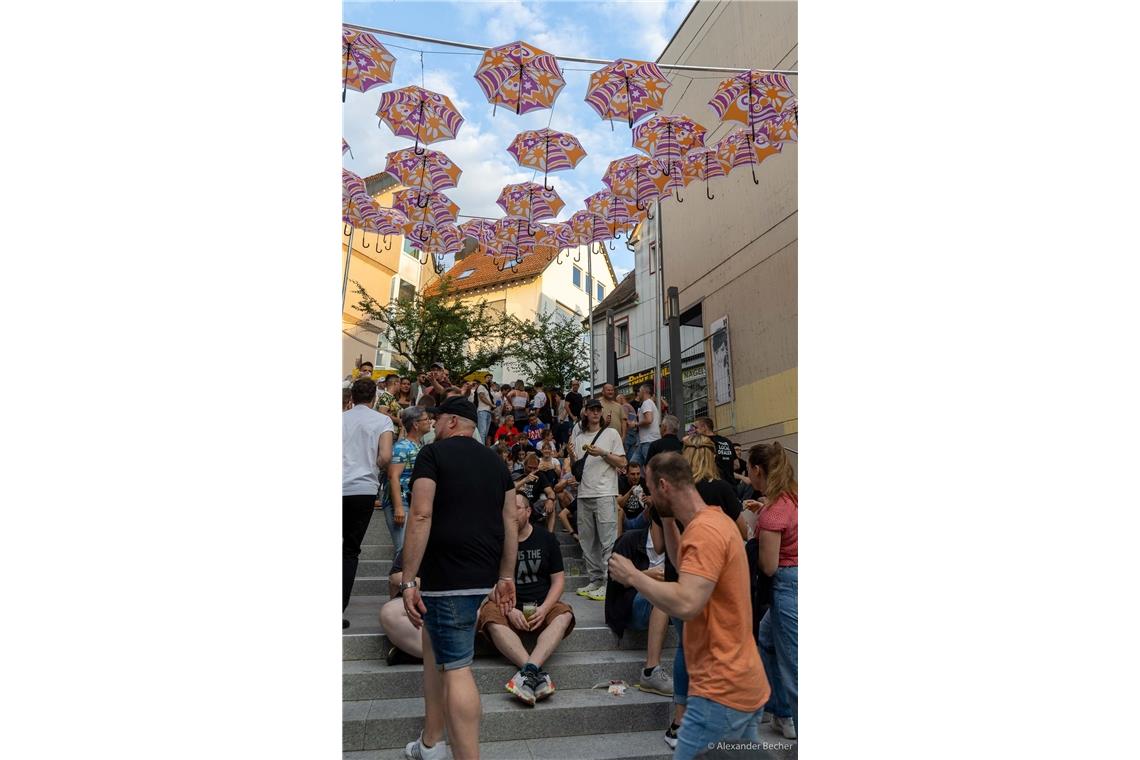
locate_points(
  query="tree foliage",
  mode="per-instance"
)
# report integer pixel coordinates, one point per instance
(551, 350)
(437, 328)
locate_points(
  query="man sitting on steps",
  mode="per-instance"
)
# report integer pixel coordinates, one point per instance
(405, 643)
(539, 580)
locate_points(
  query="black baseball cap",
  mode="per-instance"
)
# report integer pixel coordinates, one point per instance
(458, 406)
(594, 404)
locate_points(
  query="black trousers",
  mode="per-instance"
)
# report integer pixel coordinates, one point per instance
(357, 513)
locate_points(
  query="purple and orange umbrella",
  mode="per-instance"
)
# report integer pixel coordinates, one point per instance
(421, 114)
(367, 63)
(546, 149)
(627, 89)
(519, 76)
(429, 172)
(737, 149)
(753, 98)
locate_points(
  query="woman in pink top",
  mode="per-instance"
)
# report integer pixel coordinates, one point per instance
(777, 527)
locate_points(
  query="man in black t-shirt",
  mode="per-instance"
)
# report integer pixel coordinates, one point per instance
(461, 543)
(537, 485)
(574, 399)
(631, 499)
(722, 448)
(539, 580)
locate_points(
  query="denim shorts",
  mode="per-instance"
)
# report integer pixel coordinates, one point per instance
(707, 722)
(450, 623)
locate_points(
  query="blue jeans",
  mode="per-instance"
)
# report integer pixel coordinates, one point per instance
(450, 623)
(680, 669)
(635, 523)
(641, 452)
(707, 722)
(394, 530)
(777, 641)
(642, 608)
(484, 425)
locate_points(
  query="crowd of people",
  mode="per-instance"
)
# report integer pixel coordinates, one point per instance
(476, 479)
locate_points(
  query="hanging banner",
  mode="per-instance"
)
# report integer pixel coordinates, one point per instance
(721, 361)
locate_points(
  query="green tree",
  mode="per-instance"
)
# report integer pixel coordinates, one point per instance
(551, 350)
(435, 328)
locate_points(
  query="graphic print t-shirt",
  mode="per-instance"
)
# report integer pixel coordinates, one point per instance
(539, 558)
(535, 488)
(466, 539)
(724, 457)
(633, 505)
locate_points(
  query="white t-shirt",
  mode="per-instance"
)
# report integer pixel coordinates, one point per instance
(598, 477)
(653, 431)
(539, 400)
(478, 393)
(361, 429)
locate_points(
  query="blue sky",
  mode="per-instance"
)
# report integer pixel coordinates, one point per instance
(608, 30)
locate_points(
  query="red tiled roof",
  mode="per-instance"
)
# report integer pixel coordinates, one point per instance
(487, 274)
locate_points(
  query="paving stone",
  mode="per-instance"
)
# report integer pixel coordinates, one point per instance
(354, 716)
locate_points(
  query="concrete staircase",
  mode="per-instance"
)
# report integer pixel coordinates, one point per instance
(383, 706)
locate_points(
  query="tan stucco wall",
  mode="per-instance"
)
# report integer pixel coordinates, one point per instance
(737, 254)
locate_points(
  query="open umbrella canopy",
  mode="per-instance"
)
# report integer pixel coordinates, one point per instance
(344, 147)
(737, 149)
(546, 149)
(627, 89)
(357, 206)
(668, 138)
(614, 210)
(634, 178)
(752, 98)
(703, 163)
(520, 77)
(367, 63)
(420, 114)
(429, 172)
(529, 201)
(438, 208)
(440, 240)
(785, 127)
(482, 231)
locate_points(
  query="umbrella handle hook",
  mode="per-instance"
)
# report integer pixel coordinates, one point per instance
(388, 242)
(544, 185)
(648, 216)
(364, 238)
(578, 256)
(754, 180)
(612, 245)
(677, 195)
(424, 197)
(707, 195)
(347, 229)
(629, 247)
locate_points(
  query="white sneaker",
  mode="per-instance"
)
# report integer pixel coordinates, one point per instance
(417, 751)
(786, 726)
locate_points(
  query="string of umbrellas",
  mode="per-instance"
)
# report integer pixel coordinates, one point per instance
(523, 78)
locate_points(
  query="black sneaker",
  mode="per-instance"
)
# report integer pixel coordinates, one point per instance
(533, 681)
(397, 656)
(671, 736)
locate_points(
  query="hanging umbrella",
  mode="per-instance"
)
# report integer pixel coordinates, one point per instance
(546, 149)
(588, 228)
(384, 222)
(668, 138)
(429, 172)
(438, 209)
(752, 98)
(617, 214)
(529, 201)
(508, 70)
(627, 89)
(703, 163)
(635, 178)
(736, 149)
(357, 206)
(344, 147)
(439, 240)
(482, 231)
(367, 63)
(421, 114)
(785, 127)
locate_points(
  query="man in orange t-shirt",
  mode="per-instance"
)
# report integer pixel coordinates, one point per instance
(727, 685)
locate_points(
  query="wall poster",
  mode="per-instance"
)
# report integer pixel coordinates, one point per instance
(721, 361)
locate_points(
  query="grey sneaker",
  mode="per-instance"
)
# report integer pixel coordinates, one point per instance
(417, 751)
(545, 686)
(521, 687)
(785, 726)
(658, 682)
(588, 589)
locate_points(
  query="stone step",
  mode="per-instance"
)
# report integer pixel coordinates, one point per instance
(370, 643)
(377, 532)
(630, 745)
(639, 745)
(385, 723)
(377, 585)
(374, 679)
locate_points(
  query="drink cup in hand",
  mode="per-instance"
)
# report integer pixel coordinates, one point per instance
(529, 610)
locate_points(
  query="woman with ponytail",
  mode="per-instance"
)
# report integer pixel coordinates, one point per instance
(777, 526)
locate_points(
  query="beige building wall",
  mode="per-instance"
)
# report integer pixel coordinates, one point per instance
(736, 255)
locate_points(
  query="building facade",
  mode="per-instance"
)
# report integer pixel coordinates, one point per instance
(734, 258)
(564, 286)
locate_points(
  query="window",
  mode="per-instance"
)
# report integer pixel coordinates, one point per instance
(410, 249)
(589, 283)
(653, 257)
(407, 291)
(621, 337)
(601, 291)
(499, 306)
(577, 275)
(467, 273)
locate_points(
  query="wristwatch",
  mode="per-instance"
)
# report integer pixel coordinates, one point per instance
(407, 585)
